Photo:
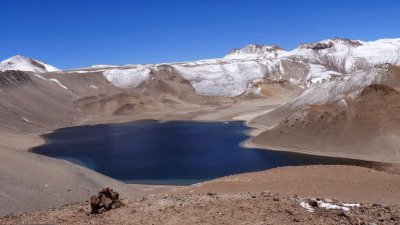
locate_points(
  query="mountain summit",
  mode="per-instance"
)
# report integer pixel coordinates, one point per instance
(255, 51)
(23, 63)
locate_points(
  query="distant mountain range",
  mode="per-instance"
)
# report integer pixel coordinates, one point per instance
(237, 72)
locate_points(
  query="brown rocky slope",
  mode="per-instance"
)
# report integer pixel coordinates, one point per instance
(362, 123)
(365, 127)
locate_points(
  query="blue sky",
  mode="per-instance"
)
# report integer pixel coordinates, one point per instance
(78, 33)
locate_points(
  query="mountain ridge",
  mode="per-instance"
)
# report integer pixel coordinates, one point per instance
(23, 63)
(305, 66)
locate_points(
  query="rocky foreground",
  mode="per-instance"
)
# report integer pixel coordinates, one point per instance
(289, 195)
(211, 208)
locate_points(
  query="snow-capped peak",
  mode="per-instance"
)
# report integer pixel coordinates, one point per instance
(255, 51)
(23, 63)
(346, 55)
(308, 65)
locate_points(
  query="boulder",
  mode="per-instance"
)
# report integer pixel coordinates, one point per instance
(105, 200)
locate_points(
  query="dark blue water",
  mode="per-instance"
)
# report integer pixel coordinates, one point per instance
(168, 152)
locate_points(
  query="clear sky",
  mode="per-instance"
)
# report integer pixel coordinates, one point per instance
(79, 33)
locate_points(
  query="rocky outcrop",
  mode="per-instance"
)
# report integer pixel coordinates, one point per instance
(11, 79)
(320, 46)
(105, 200)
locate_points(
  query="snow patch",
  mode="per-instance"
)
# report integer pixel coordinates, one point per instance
(343, 103)
(103, 66)
(318, 74)
(37, 75)
(351, 205)
(327, 205)
(344, 206)
(334, 90)
(226, 78)
(127, 78)
(58, 83)
(85, 71)
(26, 120)
(307, 206)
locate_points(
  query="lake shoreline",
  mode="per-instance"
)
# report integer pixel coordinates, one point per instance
(169, 159)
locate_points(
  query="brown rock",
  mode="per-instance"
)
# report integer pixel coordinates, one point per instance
(211, 194)
(105, 200)
(343, 214)
(313, 202)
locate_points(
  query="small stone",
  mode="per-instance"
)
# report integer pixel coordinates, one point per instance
(328, 200)
(275, 199)
(343, 214)
(313, 202)
(288, 212)
(211, 194)
(266, 194)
